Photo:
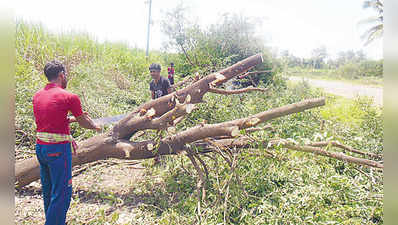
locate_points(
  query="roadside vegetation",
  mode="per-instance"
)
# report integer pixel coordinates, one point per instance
(265, 186)
(349, 66)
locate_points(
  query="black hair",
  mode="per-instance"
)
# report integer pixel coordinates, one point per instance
(52, 69)
(155, 66)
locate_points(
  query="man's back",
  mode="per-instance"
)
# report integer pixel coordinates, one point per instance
(50, 107)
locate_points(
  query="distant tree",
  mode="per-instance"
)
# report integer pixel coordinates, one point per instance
(176, 26)
(371, 68)
(350, 56)
(377, 29)
(285, 58)
(318, 57)
(285, 53)
(290, 60)
(360, 55)
(294, 61)
(206, 50)
(307, 63)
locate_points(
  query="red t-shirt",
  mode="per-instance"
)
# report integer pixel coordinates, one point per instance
(170, 70)
(51, 106)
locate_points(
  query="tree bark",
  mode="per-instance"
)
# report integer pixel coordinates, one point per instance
(347, 148)
(238, 91)
(336, 155)
(103, 146)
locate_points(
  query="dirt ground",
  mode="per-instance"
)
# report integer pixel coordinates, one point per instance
(103, 186)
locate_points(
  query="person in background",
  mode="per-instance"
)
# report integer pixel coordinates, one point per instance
(171, 71)
(159, 85)
(54, 144)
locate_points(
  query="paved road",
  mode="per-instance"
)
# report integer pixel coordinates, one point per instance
(345, 89)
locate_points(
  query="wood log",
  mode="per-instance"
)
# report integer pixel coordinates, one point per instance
(103, 146)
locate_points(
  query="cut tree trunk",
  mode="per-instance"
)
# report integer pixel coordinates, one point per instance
(163, 113)
(102, 146)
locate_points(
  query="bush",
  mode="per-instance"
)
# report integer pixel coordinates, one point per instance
(371, 68)
(206, 50)
(349, 71)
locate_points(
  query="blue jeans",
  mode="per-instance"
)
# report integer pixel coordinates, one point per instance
(56, 180)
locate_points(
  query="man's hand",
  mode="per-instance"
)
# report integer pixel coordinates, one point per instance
(71, 119)
(98, 128)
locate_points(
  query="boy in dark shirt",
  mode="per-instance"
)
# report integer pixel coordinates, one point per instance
(159, 85)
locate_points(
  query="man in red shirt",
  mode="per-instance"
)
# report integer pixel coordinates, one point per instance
(54, 143)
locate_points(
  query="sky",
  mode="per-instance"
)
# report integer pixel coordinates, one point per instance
(296, 26)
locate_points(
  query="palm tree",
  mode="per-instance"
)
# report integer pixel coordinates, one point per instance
(375, 31)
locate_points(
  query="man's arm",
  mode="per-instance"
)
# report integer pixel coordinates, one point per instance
(153, 95)
(81, 117)
(85, 121)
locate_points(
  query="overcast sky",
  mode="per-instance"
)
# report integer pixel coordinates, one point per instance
(297, 26)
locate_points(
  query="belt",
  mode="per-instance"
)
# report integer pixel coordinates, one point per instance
(53, 137)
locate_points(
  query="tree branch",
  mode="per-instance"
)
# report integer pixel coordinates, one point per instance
(348, 148)
(126, 128)
(239, 91)
(336, 155)
(254, 72)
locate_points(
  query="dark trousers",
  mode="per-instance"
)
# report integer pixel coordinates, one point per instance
(171, 79)
(56, 180)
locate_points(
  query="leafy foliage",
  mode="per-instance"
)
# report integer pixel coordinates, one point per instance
(377, 29)
(349, 65)
(210, 49)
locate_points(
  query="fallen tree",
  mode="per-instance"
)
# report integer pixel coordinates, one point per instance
(163, 114)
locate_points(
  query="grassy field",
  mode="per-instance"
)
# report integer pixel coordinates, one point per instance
(287, 188)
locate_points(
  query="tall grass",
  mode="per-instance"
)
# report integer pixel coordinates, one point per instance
(110, 78)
